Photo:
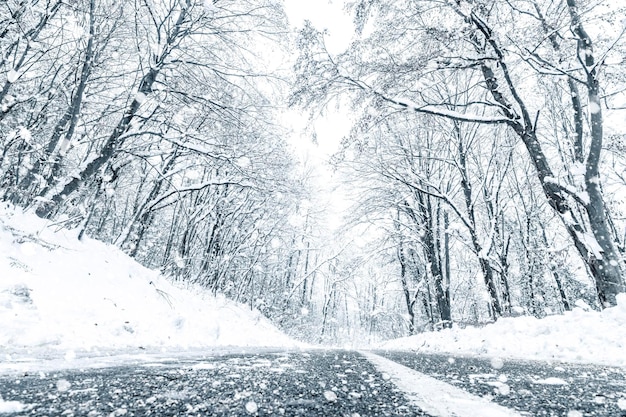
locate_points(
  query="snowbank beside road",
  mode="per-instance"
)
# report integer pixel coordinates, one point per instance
(576, 336)
(60, 293)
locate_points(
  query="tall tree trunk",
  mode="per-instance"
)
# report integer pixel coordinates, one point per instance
(66, 125)
(305, 299)
(430, 249)
(596, 249)
(605, 263)
(115, 140)
(485, 265)
(446, 257)
(53, 198)
(405, 289)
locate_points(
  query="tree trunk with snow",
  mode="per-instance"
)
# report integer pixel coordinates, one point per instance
(54, 196)
(597, 248)
(405, 289)
(481, 253)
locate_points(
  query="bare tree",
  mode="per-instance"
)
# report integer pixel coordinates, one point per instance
(462, 37)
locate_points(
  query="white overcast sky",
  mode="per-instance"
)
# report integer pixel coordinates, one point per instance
(324, 14)
(333, 125)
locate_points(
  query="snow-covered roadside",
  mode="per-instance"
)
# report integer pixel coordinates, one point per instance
(576, 336)
(59, 295)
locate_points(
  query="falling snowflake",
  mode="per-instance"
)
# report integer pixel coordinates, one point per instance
(63, 385)
(330, 396)
(252, 407)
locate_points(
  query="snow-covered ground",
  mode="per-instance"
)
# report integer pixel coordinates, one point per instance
(68, 299)
(63, 297)
(582, 335)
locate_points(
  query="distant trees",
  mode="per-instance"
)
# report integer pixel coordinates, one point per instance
(151, 124)
(466, 86)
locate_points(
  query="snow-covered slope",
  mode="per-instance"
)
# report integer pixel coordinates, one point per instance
(62, 294)
(581, 335)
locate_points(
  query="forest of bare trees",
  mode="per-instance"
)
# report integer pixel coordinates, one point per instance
(480, 131)
(485, 169)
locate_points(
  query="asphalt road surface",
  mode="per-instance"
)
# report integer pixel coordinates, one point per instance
(313, 383)
(532, 388)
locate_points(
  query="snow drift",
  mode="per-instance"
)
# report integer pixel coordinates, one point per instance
(581, 335)
(57, 292)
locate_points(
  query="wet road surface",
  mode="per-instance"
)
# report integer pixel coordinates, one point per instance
(324, 383)
(532, 388)
(312, 383)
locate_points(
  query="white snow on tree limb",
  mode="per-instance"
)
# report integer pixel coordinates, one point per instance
(12, 76)
(567, 218)
(591, 244)
(450, 114)
(192, 146)
(584, 197)
(465, 8)
(194, 187)
(209, 6)
(581, 196)
(243, 162)
(140, 97)
(25, 134)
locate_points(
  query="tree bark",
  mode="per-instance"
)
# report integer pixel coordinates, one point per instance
(67, 124)
(597, 250)
(53, 198)
(485, 265)
(405, 289)
(430, 249)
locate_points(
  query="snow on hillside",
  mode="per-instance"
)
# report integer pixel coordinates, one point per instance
(59, 294)
(582, 335)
